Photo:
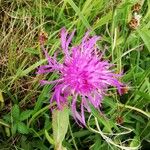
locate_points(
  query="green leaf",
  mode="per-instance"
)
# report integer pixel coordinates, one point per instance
(135, 142)
(14, 129)
(144, 95)
(31, 50)
(22, 128)
(15, 112)
(105, 19)
(50, 140)
(25, 115)
(60, 122)
(7, 118)
(80, 133)
(1, 97)
(2, 122)
(97, 143)
(31, 68)
(145, 35)
(79, 13)
(7, 131)
(107, 123)
(39, 145)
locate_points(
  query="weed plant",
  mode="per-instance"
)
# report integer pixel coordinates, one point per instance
(25, 117)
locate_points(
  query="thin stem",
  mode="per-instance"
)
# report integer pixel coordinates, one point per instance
(136, 109)
(39, 112)
(4, 124)
(74, 142)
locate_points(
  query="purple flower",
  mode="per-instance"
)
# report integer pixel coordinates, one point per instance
(83, 76)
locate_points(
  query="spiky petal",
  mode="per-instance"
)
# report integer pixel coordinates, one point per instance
(82, 75)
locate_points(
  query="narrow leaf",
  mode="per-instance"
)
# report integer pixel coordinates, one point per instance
(1, 97)
(105, 19)
(145, 35)
(60, 122)
(79, 13)
(101, 118)
(50, 140)
(14, 129)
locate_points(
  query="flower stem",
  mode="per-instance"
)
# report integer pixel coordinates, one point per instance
(74, 142)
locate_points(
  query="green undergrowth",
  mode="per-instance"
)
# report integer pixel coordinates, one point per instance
(25, 116)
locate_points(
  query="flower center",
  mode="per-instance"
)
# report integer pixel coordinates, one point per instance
(78, 77)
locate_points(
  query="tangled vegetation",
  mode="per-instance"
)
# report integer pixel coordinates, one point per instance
(26, 122)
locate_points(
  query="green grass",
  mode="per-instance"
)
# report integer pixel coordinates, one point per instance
(25, 118)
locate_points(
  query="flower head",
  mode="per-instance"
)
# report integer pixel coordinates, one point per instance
(82, 75)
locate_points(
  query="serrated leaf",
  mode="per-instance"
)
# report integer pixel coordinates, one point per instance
(15, 112)
(25, 115)
(22, 128)
(60, 122)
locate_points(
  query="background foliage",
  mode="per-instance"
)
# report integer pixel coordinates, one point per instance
(25, 118)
